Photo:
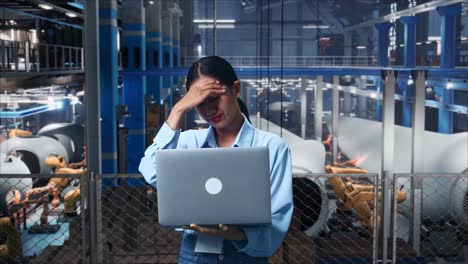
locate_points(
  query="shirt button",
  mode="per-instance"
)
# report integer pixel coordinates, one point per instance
(221, 257)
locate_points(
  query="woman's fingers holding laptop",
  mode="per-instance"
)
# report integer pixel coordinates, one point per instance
(225, 231)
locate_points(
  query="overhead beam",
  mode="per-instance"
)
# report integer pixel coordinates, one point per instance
(426, 7)
(59, 8)
(41, 17)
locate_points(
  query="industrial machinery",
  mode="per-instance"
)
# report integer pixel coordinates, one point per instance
(308, 156)
(34, 150)
(357, 195)
(10, 187)
(71, 136)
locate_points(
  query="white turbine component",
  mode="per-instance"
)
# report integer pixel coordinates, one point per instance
(443, 153)
(34, 151)
(308, 156)
(12, 165)
(442, 197)
(458, 201)
(70, 135)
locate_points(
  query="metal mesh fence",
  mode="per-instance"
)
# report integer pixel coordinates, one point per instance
(321, 229)
(40, 219)
(130, 231)
(333, 220)
(336, 219)
(434, 218)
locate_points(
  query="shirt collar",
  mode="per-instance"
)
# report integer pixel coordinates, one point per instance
(210, 140)
(244, 137)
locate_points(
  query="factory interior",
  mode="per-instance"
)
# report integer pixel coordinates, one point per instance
(370, 95)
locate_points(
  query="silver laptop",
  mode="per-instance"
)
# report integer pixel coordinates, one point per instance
(213, 186)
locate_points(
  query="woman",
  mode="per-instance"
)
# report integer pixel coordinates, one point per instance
(213, 88)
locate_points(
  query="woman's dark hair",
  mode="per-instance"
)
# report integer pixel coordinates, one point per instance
(218, 68)
(243, 108)
(212, 66)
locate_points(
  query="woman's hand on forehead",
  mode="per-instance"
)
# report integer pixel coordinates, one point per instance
(200, 91)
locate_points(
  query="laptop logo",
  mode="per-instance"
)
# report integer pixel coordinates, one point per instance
(213, 186)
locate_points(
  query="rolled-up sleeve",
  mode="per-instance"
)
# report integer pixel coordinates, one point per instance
(264, 241)
(165, 139)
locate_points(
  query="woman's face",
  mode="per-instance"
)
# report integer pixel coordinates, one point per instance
(221, 110)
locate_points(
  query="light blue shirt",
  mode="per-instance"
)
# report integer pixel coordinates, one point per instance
(261, 241)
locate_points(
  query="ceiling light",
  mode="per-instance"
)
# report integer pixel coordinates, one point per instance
(217, 26)
(151, 2)
(361, 47)
(212, 21)
(46, 7)
(70, 14)
(315, 26)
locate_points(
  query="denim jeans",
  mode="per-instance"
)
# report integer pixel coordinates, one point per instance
(229, 255)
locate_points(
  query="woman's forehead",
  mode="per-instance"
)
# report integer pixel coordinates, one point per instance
(206, 78)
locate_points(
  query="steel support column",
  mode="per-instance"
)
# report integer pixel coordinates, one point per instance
(318, 108)
(383, 43)
(407, 109)
(448, 15)
(447, 60)
(417, 154)
(362, 100)
(410, 40)
(303, 106)
(176, 39)
(348, 44)
(378, 103)
(108, 72)
(168, 54)
(388, 145)
(93, 128)
(154, 49)
(445, 124)
(335, 116)
(134, 86)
